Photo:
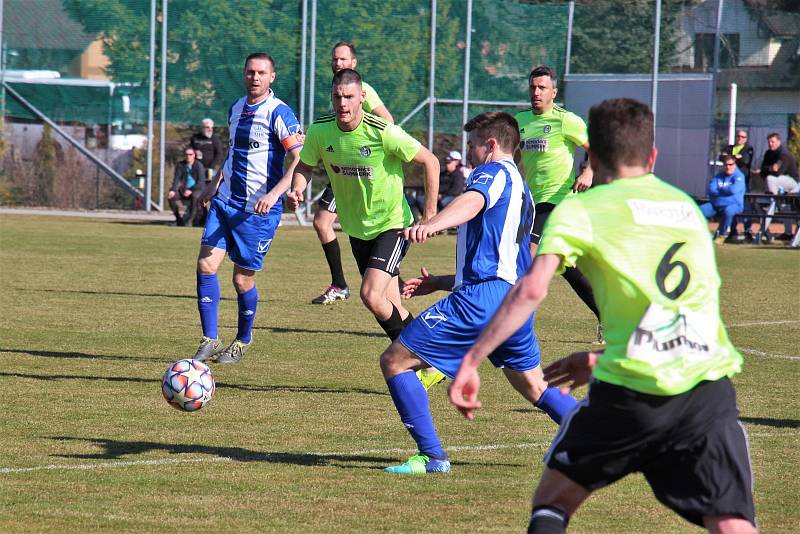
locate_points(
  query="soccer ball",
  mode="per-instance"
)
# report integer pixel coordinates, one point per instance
(188, 385)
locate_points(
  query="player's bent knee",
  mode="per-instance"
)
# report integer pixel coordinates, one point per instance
(392, 360)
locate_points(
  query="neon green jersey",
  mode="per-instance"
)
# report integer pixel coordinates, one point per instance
(548, 142)
(644, 246)
(365, 168)
(371, 98)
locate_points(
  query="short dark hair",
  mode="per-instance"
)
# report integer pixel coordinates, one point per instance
(498, 124)
(345, 76)
(349, 45)
(775, 135)
(260, 55)
(543, 70)
(727, 157)
(621, 132)
(189, 147)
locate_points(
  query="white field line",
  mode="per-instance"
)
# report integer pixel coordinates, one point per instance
(216, 459)
(768, 355)
(761, 323)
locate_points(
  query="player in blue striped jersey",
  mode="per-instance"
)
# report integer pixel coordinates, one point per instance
(494, 215)
(246, 206)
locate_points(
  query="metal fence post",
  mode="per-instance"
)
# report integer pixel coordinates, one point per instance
(432, 74)
(465, 108)
(148, 188)
(163, 126)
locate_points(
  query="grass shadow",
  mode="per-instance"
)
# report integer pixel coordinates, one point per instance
(269, 388)
(116, 449)
(774, 423)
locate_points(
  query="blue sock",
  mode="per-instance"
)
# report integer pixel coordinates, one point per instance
(248, 302)
(555, 404)
(411, 401)
(208, 303)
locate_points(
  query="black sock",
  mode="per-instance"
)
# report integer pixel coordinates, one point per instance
(407, 321)
(393, 325)
(547, 520)
(334, 258)
(580, 284)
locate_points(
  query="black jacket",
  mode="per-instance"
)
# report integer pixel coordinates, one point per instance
(179, 181)
(211, 148)
(787, 164)
(746, 159)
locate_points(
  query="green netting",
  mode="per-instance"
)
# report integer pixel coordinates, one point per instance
(208, 41)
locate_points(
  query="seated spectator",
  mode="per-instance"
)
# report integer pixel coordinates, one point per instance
(209, 148)
(779, 172)
(452, 180)
(779, 167)
(742, 150)
(726, 196)
(188, 181)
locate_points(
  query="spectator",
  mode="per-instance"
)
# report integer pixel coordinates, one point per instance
(209, 148)
(742, 150)
(726, 196)
(188, 180)
(779, 167)
(452, 179)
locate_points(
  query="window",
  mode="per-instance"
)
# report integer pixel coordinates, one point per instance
(704, 51)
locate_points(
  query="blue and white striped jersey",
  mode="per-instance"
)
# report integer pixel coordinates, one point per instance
(495, 244)
(260, 136)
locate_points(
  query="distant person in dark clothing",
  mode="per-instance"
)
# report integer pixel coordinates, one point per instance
(742, 150)
(452, 180)
(189, 179)
(779, 167)
(210, 150)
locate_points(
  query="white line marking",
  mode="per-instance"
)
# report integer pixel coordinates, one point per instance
(761, 323)
(215, 459)
(768, 355)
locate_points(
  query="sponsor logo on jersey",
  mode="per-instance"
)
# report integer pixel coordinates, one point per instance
(533, 144)
(329, 149)
(258, 131)
(547, 128)
(432, 316)
(263, 246)
(481, 178)
(353, 171)
(365, 151)
(658, 213)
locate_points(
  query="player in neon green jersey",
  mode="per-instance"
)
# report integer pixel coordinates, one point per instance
(549, 136)
(660, 401)
(343, 56)
(363, 156)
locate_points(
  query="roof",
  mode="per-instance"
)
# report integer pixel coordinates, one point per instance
(782, 25)
(783, 73)
(42, 24)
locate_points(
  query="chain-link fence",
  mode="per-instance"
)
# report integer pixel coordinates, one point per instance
(86, 66)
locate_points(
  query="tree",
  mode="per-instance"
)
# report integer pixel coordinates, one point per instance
(44, 168)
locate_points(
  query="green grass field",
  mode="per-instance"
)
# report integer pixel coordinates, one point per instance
(294, 441)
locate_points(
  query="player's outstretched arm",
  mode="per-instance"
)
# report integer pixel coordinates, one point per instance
(300, 179)
(573, 371)
(265, 203)
(427, 283)
(431, 163)
(521, 301)
(210, 190)
(383, 113)
(584, 181)
(462, 209)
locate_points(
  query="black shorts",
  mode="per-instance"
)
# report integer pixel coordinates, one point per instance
(384, 253)
(327, 201)
(690, 447)
(540, 216)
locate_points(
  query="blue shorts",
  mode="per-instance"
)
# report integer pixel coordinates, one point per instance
(245, 236)
(443, 333)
